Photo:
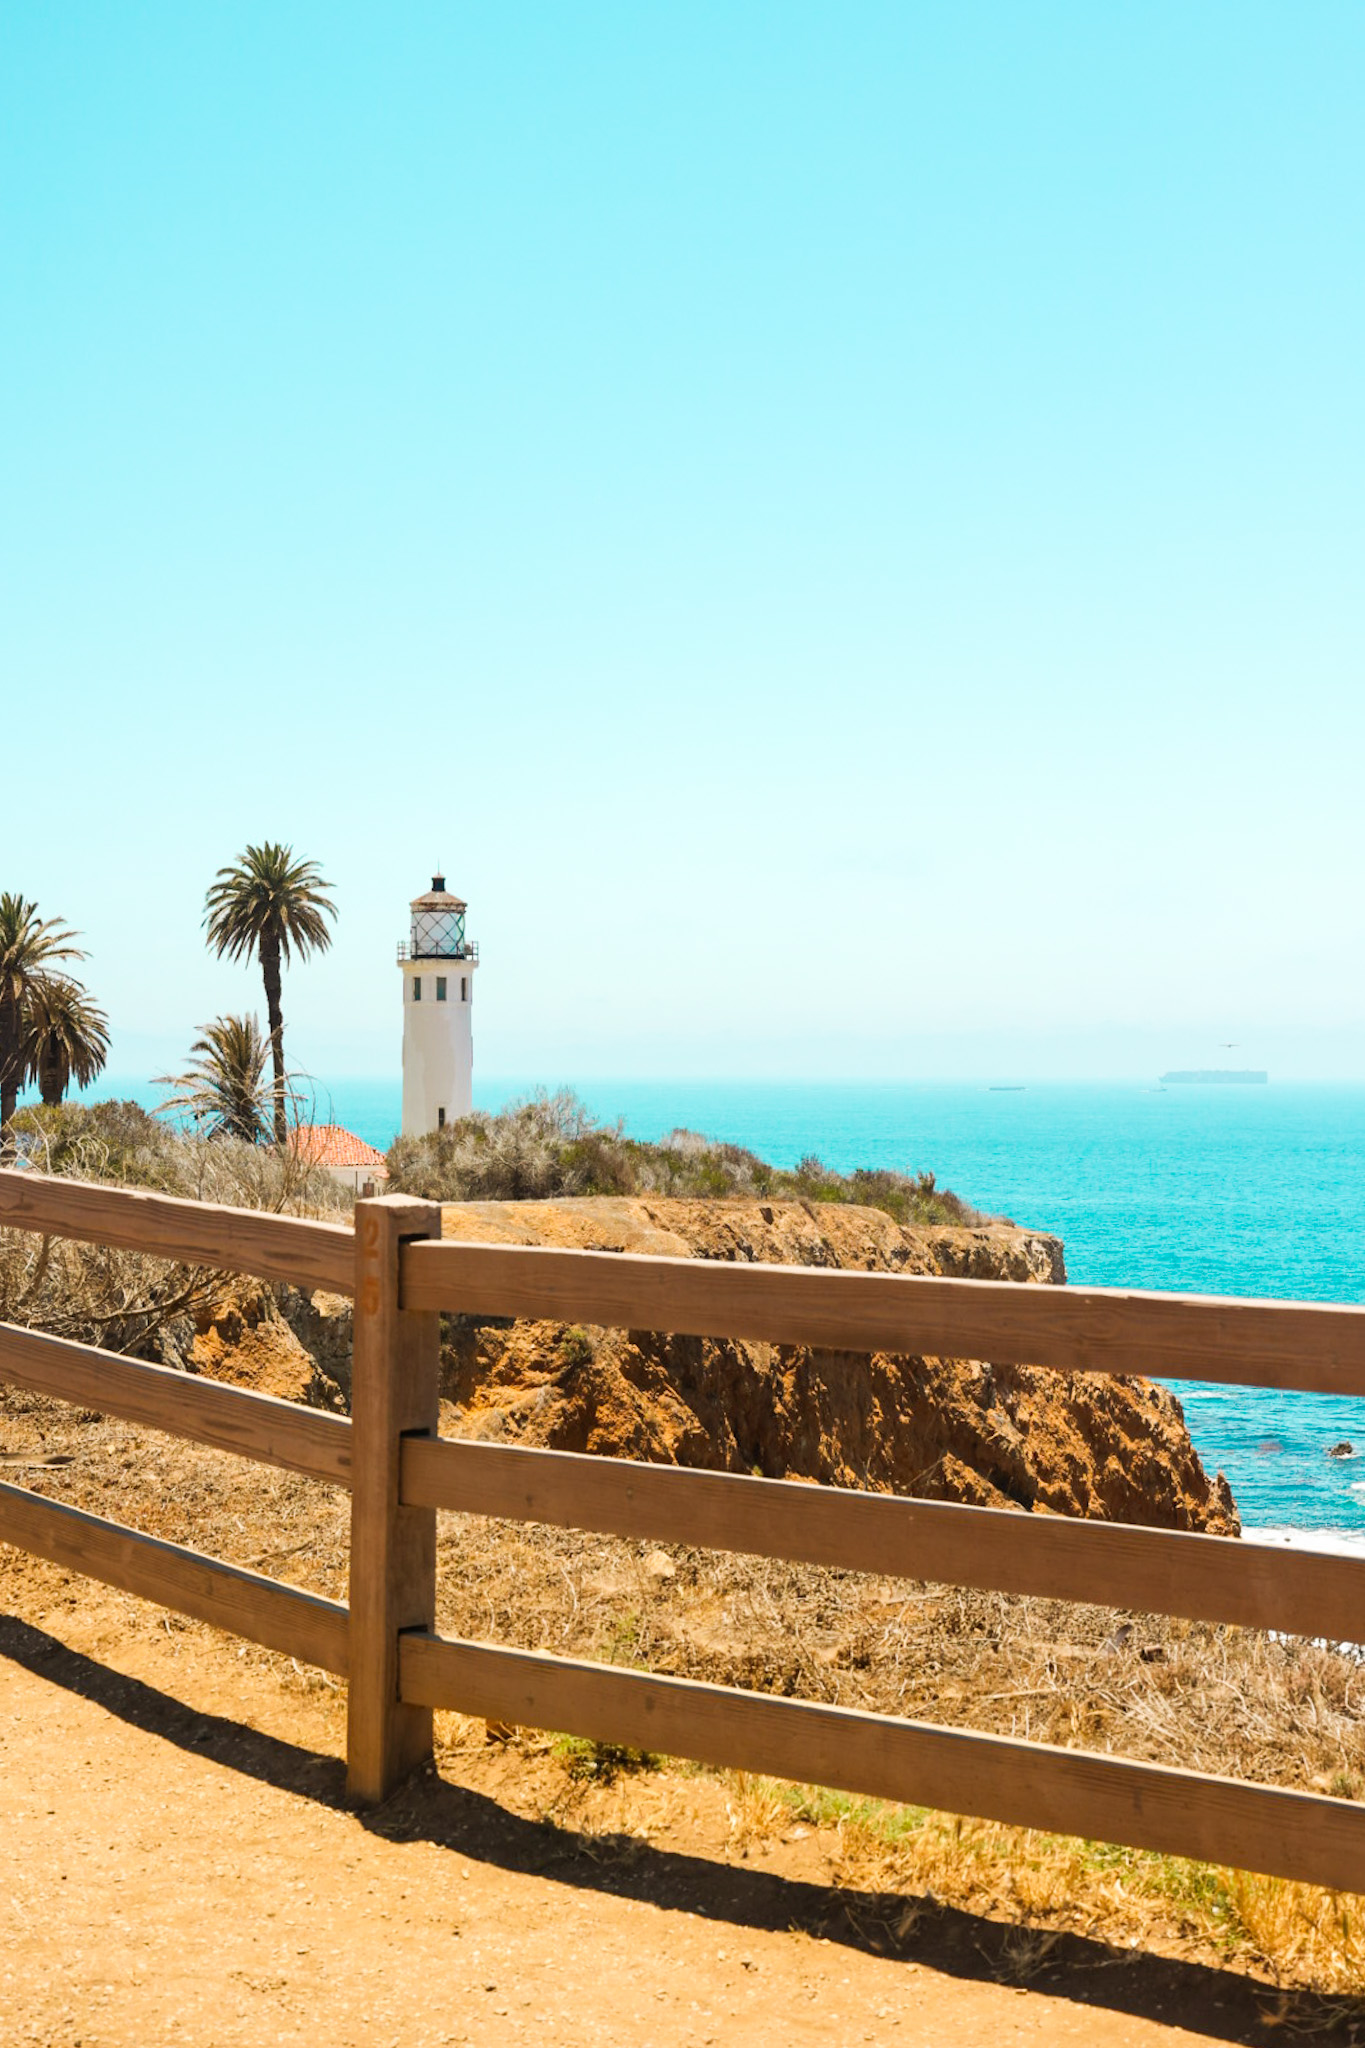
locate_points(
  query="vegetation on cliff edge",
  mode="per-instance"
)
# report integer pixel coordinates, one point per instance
(550, 1145)
(122, 1300)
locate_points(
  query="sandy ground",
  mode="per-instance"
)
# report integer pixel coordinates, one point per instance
(178, 1865)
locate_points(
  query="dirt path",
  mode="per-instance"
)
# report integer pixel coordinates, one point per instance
(177, 1864)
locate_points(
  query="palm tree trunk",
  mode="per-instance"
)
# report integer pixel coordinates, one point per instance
(53, 1078)
(270, 972)
(9, 1072)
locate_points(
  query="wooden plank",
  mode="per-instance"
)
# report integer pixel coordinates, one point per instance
(1316, 1347)
(225, 1418)
(285, 1618)
(1026, 1784)
(1157, 1571)
(288, 1248)
(395, 1387)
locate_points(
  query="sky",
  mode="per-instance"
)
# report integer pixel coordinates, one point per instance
(838, 527)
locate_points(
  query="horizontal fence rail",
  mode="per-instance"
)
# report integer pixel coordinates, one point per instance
(1025, 1784)
(235, 1419)
(1297, 1345)
(289, 1248)
(253, 1425)
(401, 1472)
(284, 1618)
(1157, 1571)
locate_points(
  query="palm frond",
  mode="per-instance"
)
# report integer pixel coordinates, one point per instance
(28, 943)
(224, 1091)
(65, 1035)
(266, 895)
(29, 946)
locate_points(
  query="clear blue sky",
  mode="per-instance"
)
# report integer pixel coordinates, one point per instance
(839, 525)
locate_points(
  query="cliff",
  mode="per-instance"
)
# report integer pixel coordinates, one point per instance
(944, 1429)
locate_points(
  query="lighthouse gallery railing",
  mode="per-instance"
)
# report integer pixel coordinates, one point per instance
(401, 1472)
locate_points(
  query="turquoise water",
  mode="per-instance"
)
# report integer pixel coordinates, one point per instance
(1206, 1190)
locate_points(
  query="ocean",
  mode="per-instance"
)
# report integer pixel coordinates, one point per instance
(1189, 1189)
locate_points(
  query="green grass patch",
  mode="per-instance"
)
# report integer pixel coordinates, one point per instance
(878, 1818)
(599, 1763)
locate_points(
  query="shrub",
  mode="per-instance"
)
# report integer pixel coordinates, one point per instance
(549, 1145)
(119, 1142)
(576, 1347)
(129, 1301)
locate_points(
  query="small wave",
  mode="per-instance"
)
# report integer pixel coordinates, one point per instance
(1340, 1542)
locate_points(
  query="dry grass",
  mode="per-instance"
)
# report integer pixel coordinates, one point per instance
(125, 1301)
(1226, 1700)
(1297, 1934)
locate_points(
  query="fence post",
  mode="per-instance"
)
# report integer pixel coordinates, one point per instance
(395, 1389)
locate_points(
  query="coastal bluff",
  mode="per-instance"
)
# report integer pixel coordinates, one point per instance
(953, 1429)
(967, 1430)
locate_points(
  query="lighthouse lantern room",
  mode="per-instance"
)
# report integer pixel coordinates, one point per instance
(438, 963)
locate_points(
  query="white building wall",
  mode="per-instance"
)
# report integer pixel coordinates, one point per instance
(438, 1045)
(357, 1178)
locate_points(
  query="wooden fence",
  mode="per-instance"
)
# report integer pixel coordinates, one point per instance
(401, 1472)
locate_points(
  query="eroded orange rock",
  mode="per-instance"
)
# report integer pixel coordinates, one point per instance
(940, 1428)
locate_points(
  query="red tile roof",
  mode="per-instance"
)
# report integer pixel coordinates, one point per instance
(333, 1145)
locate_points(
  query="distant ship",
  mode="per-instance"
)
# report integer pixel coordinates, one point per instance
(1238, 1076)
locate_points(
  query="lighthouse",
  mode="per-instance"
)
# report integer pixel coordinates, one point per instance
(438, 964)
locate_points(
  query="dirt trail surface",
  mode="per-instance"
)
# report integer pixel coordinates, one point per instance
(178, 1864)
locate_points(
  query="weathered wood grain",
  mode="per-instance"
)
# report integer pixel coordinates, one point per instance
(1157, 1571)
(289, 1248)
(395, 1388)
(1025, 1784)
(300, 1624)
(1317, 1347)
(258, 1426)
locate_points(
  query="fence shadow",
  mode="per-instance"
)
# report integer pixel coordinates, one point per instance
(1194, 1996)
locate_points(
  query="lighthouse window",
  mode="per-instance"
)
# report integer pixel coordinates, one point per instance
(440, 988)
(417, 988)
(464, 988)
(440, 1119)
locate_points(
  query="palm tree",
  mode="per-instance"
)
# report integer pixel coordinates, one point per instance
(225, 1088)
(66, 1036)
(265, 903)
(29, 944)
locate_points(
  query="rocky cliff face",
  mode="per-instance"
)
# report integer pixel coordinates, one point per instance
(944, 1429)
(298, 1352)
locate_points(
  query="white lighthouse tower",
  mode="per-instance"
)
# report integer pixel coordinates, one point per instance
(438, 965)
